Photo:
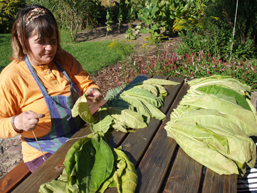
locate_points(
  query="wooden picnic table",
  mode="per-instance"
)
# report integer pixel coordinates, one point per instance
(162, 166)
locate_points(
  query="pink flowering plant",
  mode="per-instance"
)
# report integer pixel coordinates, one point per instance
(193, 65)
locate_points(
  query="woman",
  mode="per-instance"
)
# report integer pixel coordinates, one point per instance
(40, 86)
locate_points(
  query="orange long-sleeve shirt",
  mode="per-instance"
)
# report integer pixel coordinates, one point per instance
(19, 92)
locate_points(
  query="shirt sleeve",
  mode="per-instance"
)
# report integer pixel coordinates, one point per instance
(9, 108)
(77, 74)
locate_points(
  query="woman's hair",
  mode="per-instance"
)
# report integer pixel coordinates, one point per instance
(28, 19)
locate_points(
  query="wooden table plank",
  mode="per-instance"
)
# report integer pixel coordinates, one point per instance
(184, 171)
(154, 165)
(214, 182)
(230, 183)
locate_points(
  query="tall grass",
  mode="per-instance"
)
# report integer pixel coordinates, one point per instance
(93, 56)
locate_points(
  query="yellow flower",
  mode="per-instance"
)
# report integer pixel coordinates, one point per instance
(178, 24)
(217, 18)
(112, 45)
(144, 45)
(147, 38)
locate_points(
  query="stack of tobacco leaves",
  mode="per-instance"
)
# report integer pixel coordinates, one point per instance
(91, 165)
(214, 122)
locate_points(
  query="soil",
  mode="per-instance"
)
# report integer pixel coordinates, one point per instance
(108, 78)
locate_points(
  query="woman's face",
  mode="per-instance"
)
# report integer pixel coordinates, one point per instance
(42, 51)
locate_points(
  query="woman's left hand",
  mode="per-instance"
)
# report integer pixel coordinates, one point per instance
(94, 96)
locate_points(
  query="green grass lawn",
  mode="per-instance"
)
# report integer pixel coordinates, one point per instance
(5, 50)
(93, 56)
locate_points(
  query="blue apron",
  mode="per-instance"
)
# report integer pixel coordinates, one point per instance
(63, 125)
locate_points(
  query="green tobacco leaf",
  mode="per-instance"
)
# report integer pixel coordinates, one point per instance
(118, 126)
(155, 112)
(201, 152)
(144, 30)
(75, 109)
(118, 102)
(222, 140)
(95, 162)
(225, 107)
(81, 108)
(161, 90)
(129, 117)
(125, 176)
(141, 108)
(156, 81)
(133, 120)
(215, 89)
(107, 184)
(143, 94)
(214, 139)
(57, 186)
(215, 119)
(103, 121)
(227, 98)
(85, 113)
(224, 81)
(70, 162)
(151, 88)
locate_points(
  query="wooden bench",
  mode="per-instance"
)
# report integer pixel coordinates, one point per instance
(14, 177)
(162, 166)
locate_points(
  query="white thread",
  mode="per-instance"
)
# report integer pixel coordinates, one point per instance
(79, 137)
(44, 157)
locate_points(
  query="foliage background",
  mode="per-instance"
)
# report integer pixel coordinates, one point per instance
(8, 11)
(204, 26)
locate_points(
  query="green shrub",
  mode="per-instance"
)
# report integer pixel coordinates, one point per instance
(8, 12)
(245, 37)
(246, 20)
(211, 39)
(215, 38)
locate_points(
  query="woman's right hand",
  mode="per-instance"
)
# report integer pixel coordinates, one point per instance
(27, 120)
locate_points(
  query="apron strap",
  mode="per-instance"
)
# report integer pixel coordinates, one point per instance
(35, 76)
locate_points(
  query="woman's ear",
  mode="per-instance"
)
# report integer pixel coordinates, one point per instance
(19, 37)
